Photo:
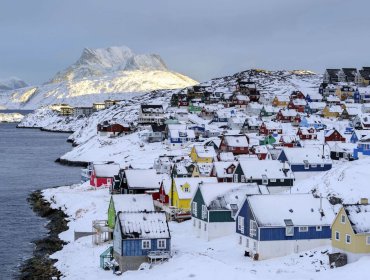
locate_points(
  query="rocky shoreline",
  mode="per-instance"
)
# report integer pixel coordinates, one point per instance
(71, 163)
(40, 265)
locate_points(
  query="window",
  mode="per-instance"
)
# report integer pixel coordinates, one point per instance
(343, 219)
(313, 165)
(303, 229)
(322, 165)
(265, 181)
(161, 243)
(240, 239)
(243, 179)
(145, 244)
(186, 189)
(195, 209)
(204, 212)
(252, 228)
(273, 180)
(348, 239)
(368, 240)
(205, 226)
(255, 246)
(247, 242)
(199, 224)
(318, 228)
(282, 180)
(337, 235)
(235, 178)
(194, 223)
(289, 231)
(306, 165)
(241, 224)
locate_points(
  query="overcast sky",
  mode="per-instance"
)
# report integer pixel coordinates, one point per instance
(200, 38)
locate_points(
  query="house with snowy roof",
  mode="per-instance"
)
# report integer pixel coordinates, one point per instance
(128, 203)
(224, 170)
(179, 135)
(363, 147)
(333, 111)
(334, 135)
(270, 173)
(102, 174)
(271, 226)
(288, 116)
(237, 144)
(137, 181)
(203, 154)
(140, 237)
(342, 151)
(351, 230)
(183, 189)
(297, 104)
(151, 114)
(305, 133)
(281, 101)
(307, 159)
(214, 206)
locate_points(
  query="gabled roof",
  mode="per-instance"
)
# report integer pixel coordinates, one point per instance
(133, 202)
(205, 151)
(221, 167)
(108, 170)
(144, 225)
(312, 155)
(193, 184)
(236, 140)
(302, 209)
(359, 216)
(272, 169)
(143, 178)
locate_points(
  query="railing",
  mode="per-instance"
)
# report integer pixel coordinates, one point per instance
(159, 255)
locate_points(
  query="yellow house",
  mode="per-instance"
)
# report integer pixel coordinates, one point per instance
(202, 154)
(351, 230)
(280, 101)
(183, 189)
(332, 111)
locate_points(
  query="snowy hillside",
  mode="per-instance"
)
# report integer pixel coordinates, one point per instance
(99, 75)
(10, 117)
(12, 83)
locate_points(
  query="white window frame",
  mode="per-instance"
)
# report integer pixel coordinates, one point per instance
(286, 231)
(337, 236)
(159, 245)
(146, 244)
(350, 239)
(195, 209)
(241, 224)
(314, 165)
(306, 165)
(282, 180)
(368, 240)
(204, 212)
(235, 178)
(303, 229)
(255, 246)
(342, 219)
(318, 228)
(273, 180)
(252, 228)
(242, 179)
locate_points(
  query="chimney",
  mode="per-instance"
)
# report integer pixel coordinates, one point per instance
(364, 201)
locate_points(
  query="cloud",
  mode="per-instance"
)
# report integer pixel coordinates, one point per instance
(202, 39)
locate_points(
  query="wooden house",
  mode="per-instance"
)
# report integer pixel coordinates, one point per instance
(128, 203)
(288, 116)
(138, 181)
(305, 133)
(251, 125)
(270, 173)
(151, 114)
(224, 171)
(214, 206)
(183, 189)
(113, 129)
(363, 147)
(331, 76)
(203, 154)
(332, 111)
(102, 174)
(334, 135)
(281, 101)
(297, 104)
(297, 94)
(268, 111)
(308, 159)
(351, 230)
(363, 77)
(140, 237)
(237, 144)
(271, 226)
(269, 128)
(347, 75)
(341, 151)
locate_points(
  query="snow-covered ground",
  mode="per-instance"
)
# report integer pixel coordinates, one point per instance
(193, 258)
(11, 117)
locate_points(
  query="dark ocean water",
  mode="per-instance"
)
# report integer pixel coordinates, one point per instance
(26, 164)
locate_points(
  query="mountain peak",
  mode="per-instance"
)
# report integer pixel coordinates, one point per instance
(12, 83)
(102, 61)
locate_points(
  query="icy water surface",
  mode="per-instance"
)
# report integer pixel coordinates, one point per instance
(26, 164)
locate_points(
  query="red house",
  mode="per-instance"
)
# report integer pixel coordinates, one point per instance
(269, 128)
(288, 116)
(297, 95)
(297, 104)
(115, 129)
(224, 171)
(102, 174)
(237, 144)
(161, 198)
(289, 141)
(260, 151)
(334, 135)
(307, 133)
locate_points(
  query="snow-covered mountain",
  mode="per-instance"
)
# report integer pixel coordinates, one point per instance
(12, 83)
(99, 74)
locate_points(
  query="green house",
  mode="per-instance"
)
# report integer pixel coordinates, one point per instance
(214, 206)
(195, 107)
(128, 203)
(268, 140)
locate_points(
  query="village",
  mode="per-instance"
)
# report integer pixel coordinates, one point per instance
(229, 164)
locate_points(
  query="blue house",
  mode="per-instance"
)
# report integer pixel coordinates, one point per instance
(363, 147)
(308, 159)
(140, 237)
(272, 226)
(357, 135)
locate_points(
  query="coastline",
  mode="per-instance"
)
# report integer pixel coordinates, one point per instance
(40, 265)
